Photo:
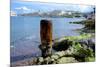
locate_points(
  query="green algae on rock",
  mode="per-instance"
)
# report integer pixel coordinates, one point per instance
(66, 60)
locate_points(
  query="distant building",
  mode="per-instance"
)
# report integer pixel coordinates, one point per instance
(12, 13)
(69, 13)
(62, 13)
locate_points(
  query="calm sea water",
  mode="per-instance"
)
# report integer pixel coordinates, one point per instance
(25, 34)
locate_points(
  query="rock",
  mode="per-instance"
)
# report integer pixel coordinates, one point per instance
(61, 39)
(52, 61)
(62, 45)
(54, 57)
(90, 59)
(70, 51)
(88, 43)
(47, 59)
(60, 53)
(66, 60)
(85, 52)
(40, 59)
(91, 43)
(83, 41)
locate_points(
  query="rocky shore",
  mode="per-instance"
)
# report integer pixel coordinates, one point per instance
(89, 25)
(69, 49)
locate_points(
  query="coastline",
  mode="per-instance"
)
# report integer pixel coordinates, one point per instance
(85, 38)
(68, 53)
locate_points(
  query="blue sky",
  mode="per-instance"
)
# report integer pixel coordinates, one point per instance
(19, 6)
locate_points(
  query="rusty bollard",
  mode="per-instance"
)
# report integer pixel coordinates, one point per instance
(46, 37)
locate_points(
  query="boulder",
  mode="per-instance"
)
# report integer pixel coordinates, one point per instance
(66, 60)
(62, 45)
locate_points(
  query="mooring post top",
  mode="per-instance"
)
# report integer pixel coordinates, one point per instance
(45, 21)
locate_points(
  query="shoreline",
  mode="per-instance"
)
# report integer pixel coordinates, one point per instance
(86, 48)
(33, 60)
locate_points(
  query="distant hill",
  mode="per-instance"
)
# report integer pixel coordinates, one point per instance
(54, 13)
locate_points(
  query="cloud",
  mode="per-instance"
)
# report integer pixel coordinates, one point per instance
(84, 8)
(27, 6)
(23, 8)
(34, 0)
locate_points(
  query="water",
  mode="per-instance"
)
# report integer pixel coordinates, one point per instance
(25, 34)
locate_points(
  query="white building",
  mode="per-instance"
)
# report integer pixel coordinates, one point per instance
(12, 13)
(62, 13)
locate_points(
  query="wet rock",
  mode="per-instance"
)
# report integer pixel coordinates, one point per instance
(40, 60)
(66, 60)
(60, 53)
(62, 45)
(70, 51)
(53, 62)
(83, 53)
(54, 57)
(47, 60)
(88, 43)
(91, 43)
(90, 59)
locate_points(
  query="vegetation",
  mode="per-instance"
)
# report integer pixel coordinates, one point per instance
(70, 50)
(69, 16)
(89, 25)
(77, 22)
(82, 36)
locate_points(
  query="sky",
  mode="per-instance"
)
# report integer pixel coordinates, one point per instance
(25, 6)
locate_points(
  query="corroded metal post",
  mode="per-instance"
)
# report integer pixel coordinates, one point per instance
(46, 37)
